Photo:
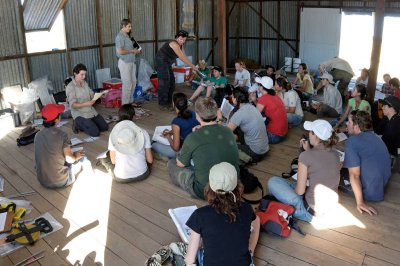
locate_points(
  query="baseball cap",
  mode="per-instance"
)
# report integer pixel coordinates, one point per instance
(223, 177)
(51, 111)
(392, 101)
(328, 77)
(320, 127)
(266, 82)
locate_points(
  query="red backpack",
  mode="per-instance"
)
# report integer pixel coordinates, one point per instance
(277, 218)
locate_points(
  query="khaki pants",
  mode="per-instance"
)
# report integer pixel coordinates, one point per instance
(128, 77)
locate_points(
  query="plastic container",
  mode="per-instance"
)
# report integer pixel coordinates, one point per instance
(114, 83)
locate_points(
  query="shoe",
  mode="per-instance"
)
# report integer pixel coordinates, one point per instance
(166, 108)
(75, 128)
(345, 186)
(158, 258)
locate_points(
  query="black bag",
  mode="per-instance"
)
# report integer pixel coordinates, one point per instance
(27, 136)
(250, 183)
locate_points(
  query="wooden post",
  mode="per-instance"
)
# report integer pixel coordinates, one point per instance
(24, 47)
(212, 32)
(260, 32)
(376, 48)
(298, 28)
(155, 26)
(196, 31)
(222, 33)
(99, 32)
(278, 43)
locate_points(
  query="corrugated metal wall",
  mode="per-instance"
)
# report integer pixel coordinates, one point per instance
(13, 71)
(40, 14)
(248, 43)
(81, 31)
(54, 66)
(82, 36)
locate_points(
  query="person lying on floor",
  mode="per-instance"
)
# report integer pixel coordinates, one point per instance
(227, 228)
(319, 167)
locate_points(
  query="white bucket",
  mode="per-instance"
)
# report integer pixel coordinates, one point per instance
(296, 63)
(288, 64)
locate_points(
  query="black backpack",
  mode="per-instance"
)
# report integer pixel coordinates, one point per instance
(27, 136)
(250, 183)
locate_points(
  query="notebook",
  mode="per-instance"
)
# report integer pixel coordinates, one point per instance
(179, 217)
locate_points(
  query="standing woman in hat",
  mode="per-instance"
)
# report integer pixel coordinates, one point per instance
(130, 148)
(126, 60)
(319, 167)
(227, 228)
(165, 57)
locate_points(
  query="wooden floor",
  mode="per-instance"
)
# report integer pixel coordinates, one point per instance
(107, 223)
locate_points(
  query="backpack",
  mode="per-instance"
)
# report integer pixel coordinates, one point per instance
(249, 180)
(27, 136)
(277, 218)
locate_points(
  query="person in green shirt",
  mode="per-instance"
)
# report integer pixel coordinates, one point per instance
(217, 81)
(208, 145)
(205, 71)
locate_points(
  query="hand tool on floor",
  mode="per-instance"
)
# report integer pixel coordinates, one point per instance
(22, 194)
(32, 258)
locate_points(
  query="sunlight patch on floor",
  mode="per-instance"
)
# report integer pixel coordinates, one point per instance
(88, 209)
(336, 218)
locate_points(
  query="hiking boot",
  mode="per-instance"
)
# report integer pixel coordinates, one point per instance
(75, 128)
(178, 248)
(159, 257)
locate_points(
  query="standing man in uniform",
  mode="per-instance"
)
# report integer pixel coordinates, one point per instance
(126, 60)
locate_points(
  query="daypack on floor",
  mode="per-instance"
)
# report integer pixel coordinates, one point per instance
(27, 136)
(277, 218)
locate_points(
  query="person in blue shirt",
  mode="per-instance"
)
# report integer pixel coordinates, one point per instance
(367, 160)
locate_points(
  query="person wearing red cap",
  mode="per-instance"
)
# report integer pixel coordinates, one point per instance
(56, 164)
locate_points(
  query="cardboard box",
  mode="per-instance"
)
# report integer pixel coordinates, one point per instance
(9, 118)
(114, 83)
(182, 74)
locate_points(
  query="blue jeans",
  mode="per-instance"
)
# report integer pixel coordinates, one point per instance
(294, 119)
(284, 192)
(163, 150)
(273, 139)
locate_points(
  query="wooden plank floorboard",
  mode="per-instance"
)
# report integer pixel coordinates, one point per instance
(138, 221)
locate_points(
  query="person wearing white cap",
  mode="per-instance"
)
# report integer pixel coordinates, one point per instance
(273, 109)
(227, 227)
(130, 148)
(319, 167)
(340, 70)
(331, 105)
